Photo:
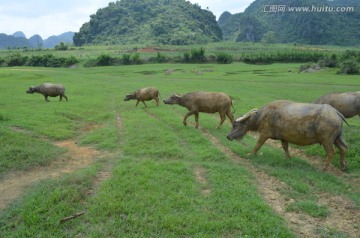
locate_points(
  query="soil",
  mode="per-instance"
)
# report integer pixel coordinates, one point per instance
(76, 158)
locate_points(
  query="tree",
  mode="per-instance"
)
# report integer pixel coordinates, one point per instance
(269, 38)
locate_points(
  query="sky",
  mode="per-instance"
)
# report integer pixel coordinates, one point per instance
(47, 18)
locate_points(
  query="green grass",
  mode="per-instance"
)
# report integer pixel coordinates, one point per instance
(153, 189)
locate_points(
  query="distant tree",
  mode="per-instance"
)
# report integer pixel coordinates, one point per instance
(61, 46)
(269, 38)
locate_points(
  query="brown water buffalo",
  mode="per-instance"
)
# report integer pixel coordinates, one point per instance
(208, 102)
(297, 123)
(144, 94)
(346, 103)
(49, 90)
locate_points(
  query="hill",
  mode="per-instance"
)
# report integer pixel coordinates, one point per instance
(18, 39)
(176, 22)
(323, 22)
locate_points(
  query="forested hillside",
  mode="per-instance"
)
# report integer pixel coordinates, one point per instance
(334, 22)
(176, 22)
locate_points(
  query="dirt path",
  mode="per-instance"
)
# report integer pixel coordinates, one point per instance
(75, 158)
(344, 216)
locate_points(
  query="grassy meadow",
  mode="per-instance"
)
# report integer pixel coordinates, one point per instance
(167, 180)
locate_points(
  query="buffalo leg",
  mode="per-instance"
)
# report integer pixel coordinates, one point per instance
(60, 98)
(137, 103)
(230, 116)
(285, 146)
(222, 119)
(329, 155)
(157, 101)
(196, 120)
(341, 145)
(46, 98)
(144, 103)
(259, 143)
(186, 116)
(65, 97)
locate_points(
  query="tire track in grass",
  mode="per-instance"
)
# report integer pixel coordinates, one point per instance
(344, 216)
(198, 171)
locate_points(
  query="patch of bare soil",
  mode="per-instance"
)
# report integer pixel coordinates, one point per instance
(76, 158)
(200, 175)
(344, 216)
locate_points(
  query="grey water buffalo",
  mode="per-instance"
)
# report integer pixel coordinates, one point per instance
(144, 94)
(49, 90)
(297, 123)
(347, 103)
(208, 102)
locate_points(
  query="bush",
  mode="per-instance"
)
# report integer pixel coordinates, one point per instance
(350, 66)
(72, 60)
(198, 55)
(61, 46)
(126, 59)
(160, 58)
(16, 60)
(224, 58)
(327, 61)
(103, 60)
(187, 57)
(136, 59)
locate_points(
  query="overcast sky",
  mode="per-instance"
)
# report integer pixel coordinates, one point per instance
(47, 18)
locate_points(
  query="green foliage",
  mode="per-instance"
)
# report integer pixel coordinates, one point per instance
(136, 59)
(350, 66)
(126, 59)
(160, 58)
(16, 59)
(316, 27)
(61, 46)
(195, 55)
(156, 21)
(330, 62)
(104, 60)
(224, 58)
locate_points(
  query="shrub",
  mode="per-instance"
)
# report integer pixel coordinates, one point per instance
(327, 61)
(136, 59)
(224, 58)
(160, 58)
(103, 60)
(61, 46)
(350, 66)
(198, 55)
(16, 60)
(72, 60)
(126, 59)
(187, 57)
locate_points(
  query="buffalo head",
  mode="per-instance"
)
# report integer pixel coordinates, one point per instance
(242, 125)
(173, 99)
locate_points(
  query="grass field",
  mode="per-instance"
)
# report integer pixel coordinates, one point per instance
(164, 179)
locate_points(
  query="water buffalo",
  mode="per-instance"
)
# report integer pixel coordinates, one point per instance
(49, 89)
(144, 94)
(346, 103)
(208, 102)
(297, 123)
